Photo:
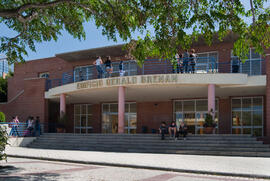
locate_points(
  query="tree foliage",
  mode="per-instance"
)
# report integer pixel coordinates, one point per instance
(2, 117)
(43, 20)
(3, 89)
(3, 142)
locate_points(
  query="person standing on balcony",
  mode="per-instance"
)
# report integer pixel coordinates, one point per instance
(180, 64)
(98, 63)
(108, 67)
(235, 65)
(185, 61)
(121, 69)
(192, 60)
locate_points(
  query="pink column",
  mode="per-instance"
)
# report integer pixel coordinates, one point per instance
(121, 109)
(62, 104)
(211, 98)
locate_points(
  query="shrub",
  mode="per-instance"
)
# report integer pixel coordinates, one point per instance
(2, 117)
(3, 142)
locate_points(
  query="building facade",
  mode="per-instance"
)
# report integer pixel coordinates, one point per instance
(4, 67)
(238, 92)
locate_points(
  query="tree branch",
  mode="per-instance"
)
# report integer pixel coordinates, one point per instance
(17, 13)
(253, 13)
(11, 13)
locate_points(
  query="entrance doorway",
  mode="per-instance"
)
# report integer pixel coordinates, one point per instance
(193, 113)
(110, 118)
(83, 118)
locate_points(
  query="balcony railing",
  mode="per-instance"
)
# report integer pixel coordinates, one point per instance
(155, 66)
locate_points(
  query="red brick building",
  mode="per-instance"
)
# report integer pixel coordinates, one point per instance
(145, 96)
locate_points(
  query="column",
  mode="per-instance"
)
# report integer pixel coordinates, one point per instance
(62, 105)
(121, 109)
(267, 109)
(211, 98)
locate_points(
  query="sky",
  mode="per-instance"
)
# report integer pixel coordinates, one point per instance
(66, 43)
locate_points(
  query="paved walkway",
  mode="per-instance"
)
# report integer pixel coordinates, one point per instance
(221, 165)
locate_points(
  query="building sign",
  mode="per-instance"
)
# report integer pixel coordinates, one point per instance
(130, 80)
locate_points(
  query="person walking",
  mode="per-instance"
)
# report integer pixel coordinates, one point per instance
(37, 127)
(192, 60)
(30, 125)
(15, 125)
(98, 63)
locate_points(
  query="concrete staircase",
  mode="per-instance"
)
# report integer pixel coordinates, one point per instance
(230, 145)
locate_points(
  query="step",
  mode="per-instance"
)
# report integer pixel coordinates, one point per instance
(146, 138)
(95, 141)
(178, 143)
(183, 151)
(48, 145)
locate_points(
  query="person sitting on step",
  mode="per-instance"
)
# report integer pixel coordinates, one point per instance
(172, 128)
(163, 130)
(183, 129)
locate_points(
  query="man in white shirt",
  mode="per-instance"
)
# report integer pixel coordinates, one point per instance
(98, 63)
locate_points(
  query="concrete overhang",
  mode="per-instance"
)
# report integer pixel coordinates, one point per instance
(176, 86)
(113, 51)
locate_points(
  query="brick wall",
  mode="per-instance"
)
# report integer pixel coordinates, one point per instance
(151, 114)
(224, 116)
(96, 124)
(30, 103)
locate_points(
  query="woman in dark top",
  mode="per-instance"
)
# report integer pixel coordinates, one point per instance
(108, 65)
(192, 60)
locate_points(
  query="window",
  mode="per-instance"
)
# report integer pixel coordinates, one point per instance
(251, 66)
(83, 118)
(207, 61)
(247, 115)
(44, 75)
(82, 73)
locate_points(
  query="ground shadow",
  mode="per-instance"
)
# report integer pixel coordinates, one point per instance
(11, 173)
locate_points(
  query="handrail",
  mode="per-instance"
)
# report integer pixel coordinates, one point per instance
(15, 97)
(158, 66)
(22, 129)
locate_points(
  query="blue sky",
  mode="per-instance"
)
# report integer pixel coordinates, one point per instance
(67, 43)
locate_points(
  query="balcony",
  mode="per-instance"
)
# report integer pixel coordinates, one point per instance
(203, 65)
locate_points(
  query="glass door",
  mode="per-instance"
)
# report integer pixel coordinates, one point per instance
(190, 121)
(178, 119)
(83, 118)
(200, 118)
(193, 113)
(110, 118)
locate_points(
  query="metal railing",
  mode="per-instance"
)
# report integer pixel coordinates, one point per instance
(21, 129)
(157, 66)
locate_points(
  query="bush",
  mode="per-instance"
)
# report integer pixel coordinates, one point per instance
(2, 117)
(3, 142)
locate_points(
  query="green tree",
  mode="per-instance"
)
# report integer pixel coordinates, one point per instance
(43, 20)
(3, 89)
